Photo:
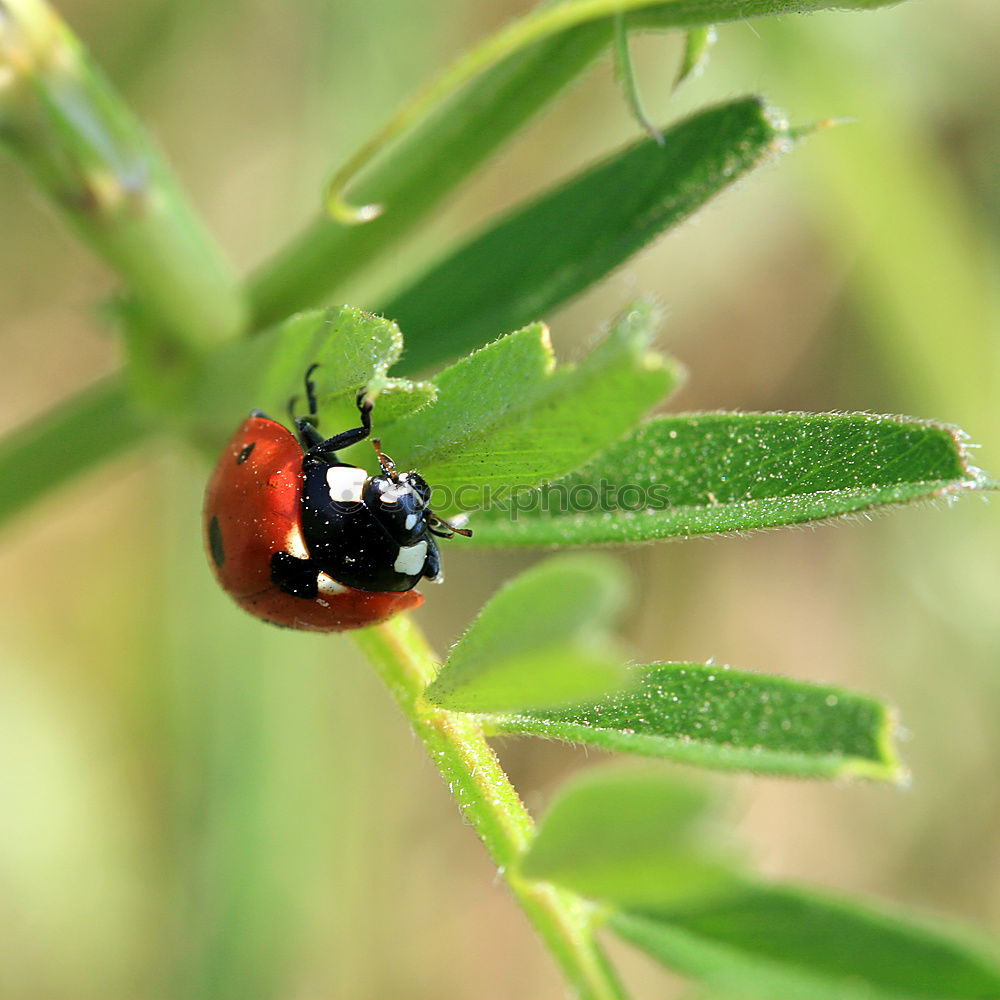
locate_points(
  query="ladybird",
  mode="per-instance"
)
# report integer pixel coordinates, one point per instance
(300, 539)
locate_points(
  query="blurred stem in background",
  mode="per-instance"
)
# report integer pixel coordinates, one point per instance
(886, 195)
(85, 150)
(921, 268)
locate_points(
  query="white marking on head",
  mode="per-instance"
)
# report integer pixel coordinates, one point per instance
(411, 558)
(346, 483)
(393, 494)
(411, 520)
(295, 544)
(327, 585)
(405, 478)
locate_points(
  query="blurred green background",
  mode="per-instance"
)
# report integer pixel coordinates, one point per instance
(193, 804)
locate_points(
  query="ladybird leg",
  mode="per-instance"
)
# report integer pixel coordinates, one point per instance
(294, 576)
(306, 437)
(432, 564)
(311, 393)
(342, 440)
(346, 438)
(364, 404)
(309, 437)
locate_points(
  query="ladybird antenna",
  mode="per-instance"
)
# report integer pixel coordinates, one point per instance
(388, 465)
(451, 529)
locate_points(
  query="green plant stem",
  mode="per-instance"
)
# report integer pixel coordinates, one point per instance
(83, 148)
(625, 71)
(456, 745)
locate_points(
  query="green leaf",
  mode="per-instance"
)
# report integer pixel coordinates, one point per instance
(694, 13)
(541, 640)
(572, 236)
(733, 720)
(766, 942)
(351, 347)
(630, 837)
(717, 472)
(698, 44)
(506, 418)
(45, 454)
(395, 400)
(464, 129)
(642, 845)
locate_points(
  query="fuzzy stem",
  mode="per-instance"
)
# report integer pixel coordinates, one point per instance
(456, 745)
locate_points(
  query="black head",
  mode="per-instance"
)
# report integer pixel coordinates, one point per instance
(400, 503)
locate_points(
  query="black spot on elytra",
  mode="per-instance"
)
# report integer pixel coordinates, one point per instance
(245, 453)
(215, 542)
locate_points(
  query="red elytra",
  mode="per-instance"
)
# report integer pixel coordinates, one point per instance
(252, 511)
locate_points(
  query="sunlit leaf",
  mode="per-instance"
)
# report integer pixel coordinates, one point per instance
(351, 348)
(541, 640)
(717, 472)
(507, 418)
(717, 717)
(395, 399)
